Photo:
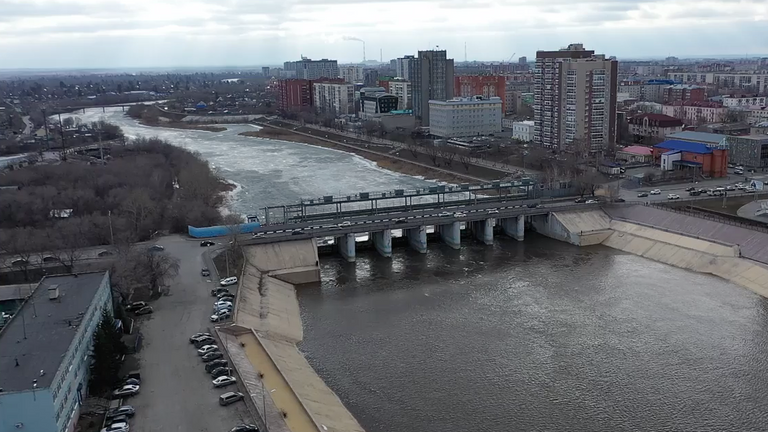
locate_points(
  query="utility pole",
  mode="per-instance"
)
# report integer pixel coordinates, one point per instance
(111, 234)
(101, 149)
(45, 124)
(63, 139)
(226, 253)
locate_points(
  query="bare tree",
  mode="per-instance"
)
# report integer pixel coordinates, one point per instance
(414, 149)
(19, 244)
(465, 160)
(448, 155)
(70, 237)
(588, 183)
(433, 152)
(143, 268)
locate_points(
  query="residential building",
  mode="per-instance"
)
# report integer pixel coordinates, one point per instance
(745, 101)
(523, 60)
(265, 71)
(689, 77)
(507, 123)
(757, 115)
(753, 82)
(370, 77)
(334, 98)
(465, 117)
(574, 98)
(375, 104)
(351, 74)
(402, 89)
(523, 130)
(654, 125)
(694, 159)
(432, 80)
(403, 66)
(294, 94)
(309, 69)
(684, 93)
(750, 150)
(654, 90)
(635, 155)
(759, 129)
(696, 113)
(513, 101)
(45, 352)
(487, 86)
(633, 89)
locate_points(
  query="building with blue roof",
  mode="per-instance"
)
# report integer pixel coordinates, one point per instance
(692, 159)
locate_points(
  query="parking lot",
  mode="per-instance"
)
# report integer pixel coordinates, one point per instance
(176, 392)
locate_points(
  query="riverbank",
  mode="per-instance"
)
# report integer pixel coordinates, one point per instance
(384, 156)
(182, 125)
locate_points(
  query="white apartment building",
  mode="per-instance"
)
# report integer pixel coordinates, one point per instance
(745, 101)
(334, 98)
(695, 115)
(403, 91)
(575, 94)
(465, 117)
(757, 115)
(403, 66)
(754, 81)
(523, 130)
(351, 73)
(312, 69)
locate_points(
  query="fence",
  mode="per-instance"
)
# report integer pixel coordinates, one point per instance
(712, 217)
(221, 230)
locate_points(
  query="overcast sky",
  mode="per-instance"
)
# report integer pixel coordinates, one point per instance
(163, 33)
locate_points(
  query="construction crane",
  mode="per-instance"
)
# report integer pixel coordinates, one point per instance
(510, 59)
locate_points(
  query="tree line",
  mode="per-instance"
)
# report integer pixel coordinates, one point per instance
(147, 186)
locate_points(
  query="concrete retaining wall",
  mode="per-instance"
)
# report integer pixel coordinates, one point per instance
(581, 228)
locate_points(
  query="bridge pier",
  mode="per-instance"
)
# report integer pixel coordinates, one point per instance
(483, 230)
(417, 238)
(346, 245)
(382, 241)
(451, 234)
(514, 227)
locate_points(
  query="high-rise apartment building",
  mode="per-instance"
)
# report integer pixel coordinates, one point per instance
(313, 69)
(403, 66)
(574, 98)
(351, 74)
(432, 80)
(265, 71)
(294, 94)
(334, 98)
(402, 89)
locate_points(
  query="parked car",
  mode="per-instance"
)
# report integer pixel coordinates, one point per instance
(205, 272)
(124, 410)
(227, 298)
(117, 427)
(132, 381)
(206, 243)
(225, 294)
(218, 291)
(197, 336)
(214, 355)
(656, 192)
(222, 304)
(228, 281)
(642, 194)
(673, 196)
(226, 308)
(125, 391)
(118, 419)
(221, 316)
(222, 371)
(146, 310)
(245, 428)
(133, 374)
(230, 398)
(591, 201)
(136, 306)
(206, 349)
(580, 200)
(215, 364)
(156, 248)
(223, 381)
(203, 341)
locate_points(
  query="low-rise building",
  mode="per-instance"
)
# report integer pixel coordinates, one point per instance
(375, 104)
(750, 150)
(745, 101)
(757, 115)
(334, 98)
(684, 92)
(635, 155)
(464, 117)
(696, 113)
(654, 125)
(759, 129)
(695, 159)
(45, 352)
(523, 130)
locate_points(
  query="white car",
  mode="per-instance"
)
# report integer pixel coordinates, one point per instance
(344, 224)
(493, 211)
(258, 234)
(222, 304)
(206, 349)
(117, 427)
(459, 215)
(444, 214)
(125, 391)
(673, 196)
(224, 381)
(655, 192)
(591, 201)
(228, 281)
(221, 316)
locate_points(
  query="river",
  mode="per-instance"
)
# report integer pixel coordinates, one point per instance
(518, 336)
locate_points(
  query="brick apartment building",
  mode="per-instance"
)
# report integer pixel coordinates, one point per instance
(487, 86)
(654, 125)
(684, 93)
(297, 94)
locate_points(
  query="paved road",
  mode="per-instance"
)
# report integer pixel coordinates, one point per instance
(631, 195)
(176, 393)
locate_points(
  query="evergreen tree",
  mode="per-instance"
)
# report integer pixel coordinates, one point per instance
(108, 349)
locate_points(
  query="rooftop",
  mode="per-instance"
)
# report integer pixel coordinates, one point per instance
(466, 100)
(638, 150)
(686, 146)
(14, 292)
(704, 137)
(40, 340)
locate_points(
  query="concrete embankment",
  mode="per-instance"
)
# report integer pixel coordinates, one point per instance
(684, 250)
(267, 312)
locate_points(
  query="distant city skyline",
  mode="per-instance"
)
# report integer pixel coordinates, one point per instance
(204, 33)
